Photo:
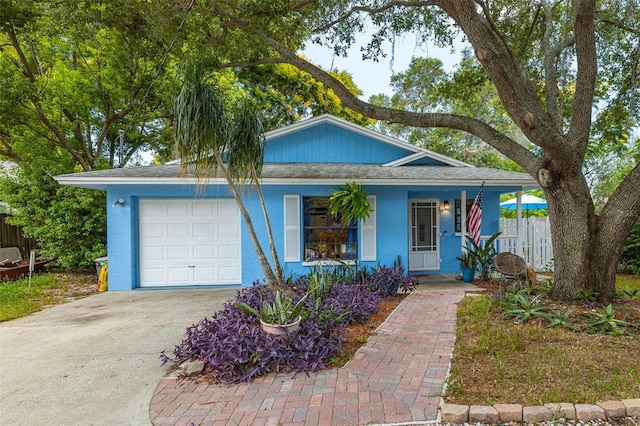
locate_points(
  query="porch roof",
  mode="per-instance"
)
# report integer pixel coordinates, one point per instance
(311, 174)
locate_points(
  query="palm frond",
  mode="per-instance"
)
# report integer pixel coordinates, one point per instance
(201, 125)
(246, 143)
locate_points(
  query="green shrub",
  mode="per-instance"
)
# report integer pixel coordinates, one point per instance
(69, 222)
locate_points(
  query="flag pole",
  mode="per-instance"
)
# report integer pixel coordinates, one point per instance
(466, 222)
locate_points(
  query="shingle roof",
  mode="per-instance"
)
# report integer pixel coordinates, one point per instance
(312, 173)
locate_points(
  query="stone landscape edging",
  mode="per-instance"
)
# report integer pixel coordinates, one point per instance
(456, 413)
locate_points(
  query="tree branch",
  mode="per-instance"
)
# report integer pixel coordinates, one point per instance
(550, 74)
(515, 90)
(485, 132)
(620, 26)
(623, 207)
(8, 151)
(470, 125)
(77, 133)
(584, 27)
(370, 10)
(26, 69)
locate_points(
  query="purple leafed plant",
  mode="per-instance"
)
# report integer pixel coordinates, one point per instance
(348, 303)
(233, 344)
(387, 280)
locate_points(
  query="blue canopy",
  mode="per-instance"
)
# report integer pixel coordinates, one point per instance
(529, 202)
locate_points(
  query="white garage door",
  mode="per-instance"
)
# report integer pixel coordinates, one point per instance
(189, 242)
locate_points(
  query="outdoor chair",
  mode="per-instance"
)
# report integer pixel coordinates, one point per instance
(510, 265)
(10, 256)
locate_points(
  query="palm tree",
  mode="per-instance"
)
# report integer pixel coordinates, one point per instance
(215, 141)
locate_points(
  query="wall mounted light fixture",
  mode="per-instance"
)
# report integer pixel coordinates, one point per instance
(119, 202)
(445, 206)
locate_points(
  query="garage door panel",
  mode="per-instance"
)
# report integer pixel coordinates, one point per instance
(189, 242)
(177, 208)
(203, 209)
(204, 252)
(178, 275)
(203, 230)
(177, 230)
(152, 253)
(205, 274)
(154, 208)
(178, 253)
(227, 207)
(153, 276)
(227, 230)
(151, 230)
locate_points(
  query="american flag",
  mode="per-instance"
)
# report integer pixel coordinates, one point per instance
(474, 222)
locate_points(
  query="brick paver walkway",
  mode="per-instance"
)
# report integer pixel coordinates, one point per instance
(396, 377)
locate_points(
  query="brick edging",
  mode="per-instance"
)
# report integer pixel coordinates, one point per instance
(455, 413)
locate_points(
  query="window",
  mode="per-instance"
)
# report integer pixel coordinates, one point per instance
(325, 237)
(458, 213)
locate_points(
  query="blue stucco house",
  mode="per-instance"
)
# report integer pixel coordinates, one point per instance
(166, 230)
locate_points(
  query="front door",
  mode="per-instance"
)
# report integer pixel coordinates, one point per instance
(424, 230)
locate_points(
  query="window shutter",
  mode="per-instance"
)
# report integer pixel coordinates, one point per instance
(292, 228)
(368, 250)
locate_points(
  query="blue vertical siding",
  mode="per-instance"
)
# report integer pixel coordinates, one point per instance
(330, 144)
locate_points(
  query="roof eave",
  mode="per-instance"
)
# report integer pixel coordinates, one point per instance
(101, 183)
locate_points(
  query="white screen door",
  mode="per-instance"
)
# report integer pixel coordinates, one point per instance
(424, 250)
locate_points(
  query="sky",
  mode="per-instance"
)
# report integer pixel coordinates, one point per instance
(374, 77)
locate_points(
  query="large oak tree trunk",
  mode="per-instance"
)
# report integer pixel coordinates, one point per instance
(585, 252)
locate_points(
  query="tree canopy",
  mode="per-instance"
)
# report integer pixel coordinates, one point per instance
(76, 73)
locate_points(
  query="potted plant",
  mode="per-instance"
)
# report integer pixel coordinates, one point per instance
(484, 254)
(468, 264)
(282, 317)
(349, 203)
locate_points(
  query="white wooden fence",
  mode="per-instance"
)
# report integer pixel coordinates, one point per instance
(536, 248)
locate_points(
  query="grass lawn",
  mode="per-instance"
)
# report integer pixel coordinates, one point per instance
(498, 360)
(46, 289)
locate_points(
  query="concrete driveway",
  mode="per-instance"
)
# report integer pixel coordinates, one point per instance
(95, 361)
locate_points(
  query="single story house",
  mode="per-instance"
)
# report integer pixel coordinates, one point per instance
(166, 229)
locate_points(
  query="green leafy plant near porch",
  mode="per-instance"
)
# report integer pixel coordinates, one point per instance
(607, 322)
(524, 308)
(483, 254)
(467, 260)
